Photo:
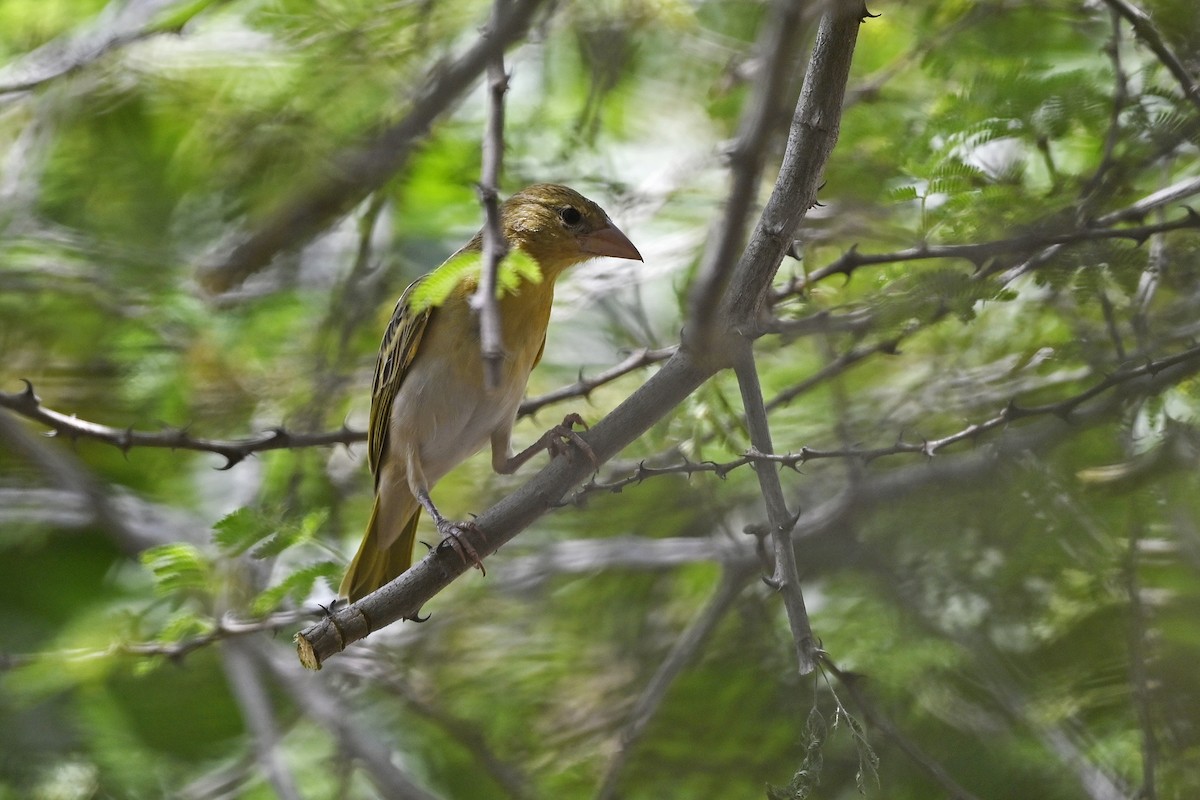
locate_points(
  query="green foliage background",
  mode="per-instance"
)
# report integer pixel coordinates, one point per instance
(1012, 613)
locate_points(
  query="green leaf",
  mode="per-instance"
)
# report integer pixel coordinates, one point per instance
(289, 534)
(237, 531)
(177, 567)
(297, 586)
(435, 288)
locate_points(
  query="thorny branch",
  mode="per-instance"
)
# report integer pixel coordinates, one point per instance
(28, 404)
(1063, 409)
(786, 578)
(982, 254)
(583, 387)
(224, 629)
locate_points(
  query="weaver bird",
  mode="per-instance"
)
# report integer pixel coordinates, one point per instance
(430, 405)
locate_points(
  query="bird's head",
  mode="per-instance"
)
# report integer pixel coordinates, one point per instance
(559, 227)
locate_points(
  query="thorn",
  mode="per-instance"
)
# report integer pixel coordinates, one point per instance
(417, 618)
(28, 393)
(231, 461)
(125, 442)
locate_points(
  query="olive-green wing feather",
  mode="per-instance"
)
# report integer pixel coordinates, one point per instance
(401, 341)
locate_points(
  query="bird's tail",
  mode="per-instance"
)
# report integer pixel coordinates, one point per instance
(377, 563)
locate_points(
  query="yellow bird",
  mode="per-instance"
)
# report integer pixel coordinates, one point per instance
(430, 408)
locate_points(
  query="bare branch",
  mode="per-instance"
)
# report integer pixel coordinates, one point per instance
(465, 732)
(685, 651)
(585, 386)
(777, 46)
(358, 172)
(811, 138)
(1175, 193)
(1148, 33)
(1092, 191)
(495, 248)
(786, 579)
(226, 628)
(322, 703)
(28, 404)
(119, 25)
(983, 254)
(246, 685)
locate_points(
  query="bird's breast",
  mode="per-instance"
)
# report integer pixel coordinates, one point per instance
(443, 408)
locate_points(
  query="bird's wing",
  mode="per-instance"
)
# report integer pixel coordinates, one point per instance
(401, 341)
(542, 349)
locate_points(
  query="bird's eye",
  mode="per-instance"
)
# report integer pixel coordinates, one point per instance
(570, 215)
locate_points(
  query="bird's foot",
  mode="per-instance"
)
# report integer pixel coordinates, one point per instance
(562, 438)
(453, 537)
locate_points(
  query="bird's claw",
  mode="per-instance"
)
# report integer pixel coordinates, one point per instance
(452, 537)
(563, 436)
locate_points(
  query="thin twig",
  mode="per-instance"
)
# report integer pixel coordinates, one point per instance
(226, 628)
(786, 579)
(495, 247)
(120, 25)
(1091, 192)
(853, 684)
(583, 387)
(776, 48)
(982, 254)
(28, 404)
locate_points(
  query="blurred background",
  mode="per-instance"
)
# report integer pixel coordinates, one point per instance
(986, 336)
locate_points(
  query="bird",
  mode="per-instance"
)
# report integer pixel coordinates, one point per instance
(431, 407)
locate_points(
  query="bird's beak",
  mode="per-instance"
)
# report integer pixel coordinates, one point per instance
(609, 241)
